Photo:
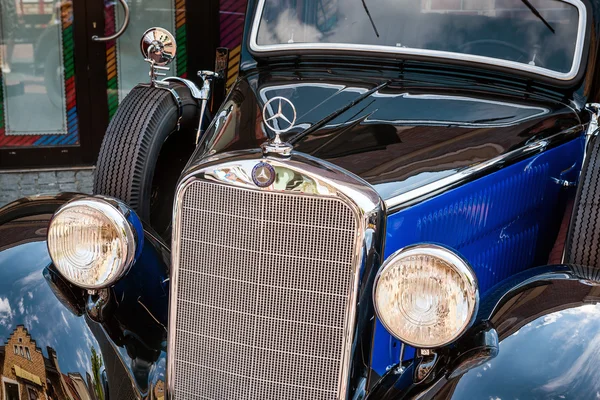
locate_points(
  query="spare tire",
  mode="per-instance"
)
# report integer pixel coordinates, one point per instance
(583, 238)
(143, 152)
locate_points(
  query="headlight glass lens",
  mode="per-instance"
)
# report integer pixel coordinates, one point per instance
(426, 295)
(91, 243)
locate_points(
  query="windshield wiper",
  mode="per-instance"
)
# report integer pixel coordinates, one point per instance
(371, 18)
(536, 13)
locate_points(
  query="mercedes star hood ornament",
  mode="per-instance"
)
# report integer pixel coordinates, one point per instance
(282, 118)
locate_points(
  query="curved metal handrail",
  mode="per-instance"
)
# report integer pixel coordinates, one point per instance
(117, 34)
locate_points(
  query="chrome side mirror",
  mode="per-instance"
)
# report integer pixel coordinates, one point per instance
(158, 48)
(158, 45)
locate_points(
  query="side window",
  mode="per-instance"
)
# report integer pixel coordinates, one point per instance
(32, 393)
(27, 354)
(16, 349)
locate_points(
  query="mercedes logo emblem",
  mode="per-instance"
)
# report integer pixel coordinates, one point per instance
(263, 174)
(284, 119)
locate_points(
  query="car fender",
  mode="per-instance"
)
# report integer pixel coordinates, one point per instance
(546, 324)
(76, 348)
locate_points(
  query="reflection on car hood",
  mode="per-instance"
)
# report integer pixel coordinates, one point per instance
(397, 135)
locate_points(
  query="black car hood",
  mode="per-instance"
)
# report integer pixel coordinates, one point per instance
(395, 134)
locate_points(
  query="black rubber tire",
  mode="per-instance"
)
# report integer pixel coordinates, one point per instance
(143, 134)
(583, 238)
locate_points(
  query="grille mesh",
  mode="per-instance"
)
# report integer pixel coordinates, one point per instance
(264, 280)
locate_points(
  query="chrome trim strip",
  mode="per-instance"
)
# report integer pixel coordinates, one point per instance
(312, 176)
(397, 203)
(579, 45)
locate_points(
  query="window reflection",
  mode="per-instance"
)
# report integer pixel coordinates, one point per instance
(33, 71)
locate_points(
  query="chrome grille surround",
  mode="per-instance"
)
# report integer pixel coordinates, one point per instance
(290, 365)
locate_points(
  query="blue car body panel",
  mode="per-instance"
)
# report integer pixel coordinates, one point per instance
(502, 224)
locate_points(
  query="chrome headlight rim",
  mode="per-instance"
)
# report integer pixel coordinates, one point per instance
(122, 218)
(450, 257)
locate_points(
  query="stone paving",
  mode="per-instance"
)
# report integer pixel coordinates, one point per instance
(14, 185)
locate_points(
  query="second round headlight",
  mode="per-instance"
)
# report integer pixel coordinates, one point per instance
(426, 295)
(91, 242)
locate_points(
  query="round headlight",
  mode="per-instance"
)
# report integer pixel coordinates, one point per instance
(91, 241)
(426, 295)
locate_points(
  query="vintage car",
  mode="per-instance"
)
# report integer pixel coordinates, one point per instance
(395, 200)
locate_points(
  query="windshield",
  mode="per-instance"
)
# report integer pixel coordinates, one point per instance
(541, 36)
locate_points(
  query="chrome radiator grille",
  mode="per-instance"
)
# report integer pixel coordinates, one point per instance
(262, 297)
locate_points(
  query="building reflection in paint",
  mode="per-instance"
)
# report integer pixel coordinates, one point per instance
(49, 347)
(29, 373)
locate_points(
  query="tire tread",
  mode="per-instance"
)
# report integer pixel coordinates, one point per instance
(131, 137)
(583, 239)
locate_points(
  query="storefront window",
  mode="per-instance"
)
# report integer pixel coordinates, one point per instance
(35, 79)
(55, 100)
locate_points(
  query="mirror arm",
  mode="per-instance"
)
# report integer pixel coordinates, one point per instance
(154, 72)
(207, 79)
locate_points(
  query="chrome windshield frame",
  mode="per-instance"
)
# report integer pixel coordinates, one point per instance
(434, 54)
